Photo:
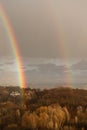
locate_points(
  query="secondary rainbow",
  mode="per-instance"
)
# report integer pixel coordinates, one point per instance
(60, 39)
(14, 46)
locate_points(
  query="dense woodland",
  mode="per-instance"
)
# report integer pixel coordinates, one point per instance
(52, 109)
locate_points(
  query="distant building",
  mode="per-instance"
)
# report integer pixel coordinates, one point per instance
(15, 93)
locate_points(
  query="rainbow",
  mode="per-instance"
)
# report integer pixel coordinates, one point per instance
(14, 46)
(60, 39)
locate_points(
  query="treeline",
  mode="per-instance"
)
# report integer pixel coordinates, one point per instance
(64, 96)
(34, 98)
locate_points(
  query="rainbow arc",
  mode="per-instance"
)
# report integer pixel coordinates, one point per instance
(14, 45)
(59, 37)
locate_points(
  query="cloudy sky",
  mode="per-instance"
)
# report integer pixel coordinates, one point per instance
(42, 26)
(46, 29)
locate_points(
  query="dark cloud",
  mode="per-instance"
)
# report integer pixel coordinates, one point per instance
(81, 65)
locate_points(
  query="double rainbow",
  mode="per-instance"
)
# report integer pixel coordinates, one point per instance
(58, 36)
(14, 46)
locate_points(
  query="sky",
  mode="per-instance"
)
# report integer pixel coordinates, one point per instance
(47, 32)
(42, 27)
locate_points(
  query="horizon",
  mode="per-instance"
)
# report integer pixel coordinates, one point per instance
(51, 69)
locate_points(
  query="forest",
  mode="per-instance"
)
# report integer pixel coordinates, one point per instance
(59, 108)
